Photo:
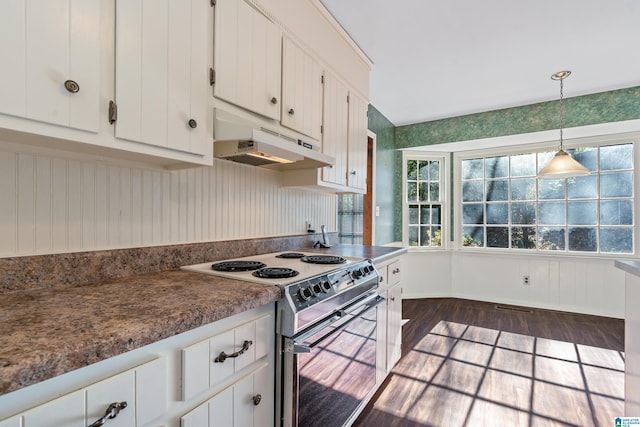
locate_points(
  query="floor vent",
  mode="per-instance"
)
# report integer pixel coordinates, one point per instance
(515, 309)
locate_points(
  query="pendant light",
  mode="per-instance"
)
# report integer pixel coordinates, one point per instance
(562, 165)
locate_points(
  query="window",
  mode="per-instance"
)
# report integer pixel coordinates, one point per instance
(350, 218)
(504, 205)
(423, 201)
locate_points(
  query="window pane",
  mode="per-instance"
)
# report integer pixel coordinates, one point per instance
(523, 165)
(551, 213)
(472, 169)
(497, 190)
(413, 236)
(473, 236)
(425, 214)
(436, 236)
(412, 169)
(582, 213)
(616, 212)
(551, 239)
(498, 213)
(497, 237)
(616, 157)
(472, 213)
(523, 237)
(582, 187)
(436, 215)
(412, 191)
(413, 214)
(544, 158)
(434, 192)
(423, 195)
(583, 239)
(586, 156)
(496, 167)
(523, 213)
(618, 184)
(425, 232)
(472, 191)
(423, 170)
(619, 240)
(434, 171)
(523, 189)
(551, 188)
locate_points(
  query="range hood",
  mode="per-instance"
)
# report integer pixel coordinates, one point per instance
(246, 142)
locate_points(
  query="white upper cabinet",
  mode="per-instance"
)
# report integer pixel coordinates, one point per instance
(162, 74)
(247, 58)
(335, 132)
(301, 90)
(51, 61)
(357, 157)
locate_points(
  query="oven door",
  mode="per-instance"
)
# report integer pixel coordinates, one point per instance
(329, 370)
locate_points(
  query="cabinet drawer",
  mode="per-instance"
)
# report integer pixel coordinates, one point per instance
(393, 273)
(209, 363)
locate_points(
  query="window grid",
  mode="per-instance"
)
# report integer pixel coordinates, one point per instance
(510, 208)
(424, 202)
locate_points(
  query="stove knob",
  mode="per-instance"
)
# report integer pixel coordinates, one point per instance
(305, 294)
(357, 274)
(326, 286)
(317, 289)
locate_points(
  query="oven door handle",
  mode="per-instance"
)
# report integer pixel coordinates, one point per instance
(298, 347)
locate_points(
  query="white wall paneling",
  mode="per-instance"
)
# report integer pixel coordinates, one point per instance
(574, 284)
(54, 204)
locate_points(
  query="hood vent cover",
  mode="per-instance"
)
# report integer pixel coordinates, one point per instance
(243, 142)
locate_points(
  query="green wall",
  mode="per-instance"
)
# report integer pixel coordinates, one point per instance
(605, 107)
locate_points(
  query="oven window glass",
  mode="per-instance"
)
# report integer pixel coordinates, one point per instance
(339, 372)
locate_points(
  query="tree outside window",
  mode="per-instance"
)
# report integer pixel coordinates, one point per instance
(423, 200)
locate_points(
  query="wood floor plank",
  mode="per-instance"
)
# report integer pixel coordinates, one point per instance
(468, 363)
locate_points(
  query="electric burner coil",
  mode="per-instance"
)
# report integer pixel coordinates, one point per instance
(323, 259)
(237, 266)
(275, 273)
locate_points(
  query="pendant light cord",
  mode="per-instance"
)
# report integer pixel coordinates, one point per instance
(561, 113)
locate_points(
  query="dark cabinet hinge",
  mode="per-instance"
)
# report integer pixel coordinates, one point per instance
(113, 112)
(212, 76)
(213, 3)
(347, 99)
(321, 79)
(321, 130)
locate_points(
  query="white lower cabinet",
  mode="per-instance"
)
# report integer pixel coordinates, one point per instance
(389, 318)
(182, 384)
(246, 403)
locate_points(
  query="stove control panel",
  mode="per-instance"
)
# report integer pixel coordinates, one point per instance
(323, 287)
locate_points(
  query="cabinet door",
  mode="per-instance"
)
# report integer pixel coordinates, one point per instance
(51, 41)
(119, 388)
(161, 73)
(11, 422)
(357, 175)
(65, 411)
(301, 90)
(247, 58)
(253, 400)
(335, 129)
(394, 325)
(151, 390)
(381, 339)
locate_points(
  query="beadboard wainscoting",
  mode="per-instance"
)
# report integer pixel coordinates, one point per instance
(585, 285)
(54, 204)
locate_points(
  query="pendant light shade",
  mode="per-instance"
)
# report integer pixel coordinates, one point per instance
(562, 165)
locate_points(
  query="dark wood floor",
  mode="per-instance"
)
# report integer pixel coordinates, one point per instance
(467, 363)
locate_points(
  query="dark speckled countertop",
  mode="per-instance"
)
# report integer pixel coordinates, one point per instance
(48, 331)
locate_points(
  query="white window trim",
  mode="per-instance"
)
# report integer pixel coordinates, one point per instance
(611, 139)
(445, 174)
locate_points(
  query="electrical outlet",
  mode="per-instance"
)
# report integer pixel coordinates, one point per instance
(526, 280)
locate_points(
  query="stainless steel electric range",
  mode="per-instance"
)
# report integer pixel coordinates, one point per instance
(326, 331)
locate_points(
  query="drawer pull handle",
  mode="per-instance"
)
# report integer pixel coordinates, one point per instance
(257, 399)
(112, 411)
(192, 123)
(291, 111)
(274, 100)
(396, 270)
(224, 356)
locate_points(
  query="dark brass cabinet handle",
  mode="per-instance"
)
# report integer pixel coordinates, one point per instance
(257, 399)
(274, 100)
(396, 270)
(224, 356)
(192, 124)
(291, 111)
(71, 86)
(353, 172)
(112, 411)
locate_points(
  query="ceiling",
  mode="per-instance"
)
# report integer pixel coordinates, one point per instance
(438, 59)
